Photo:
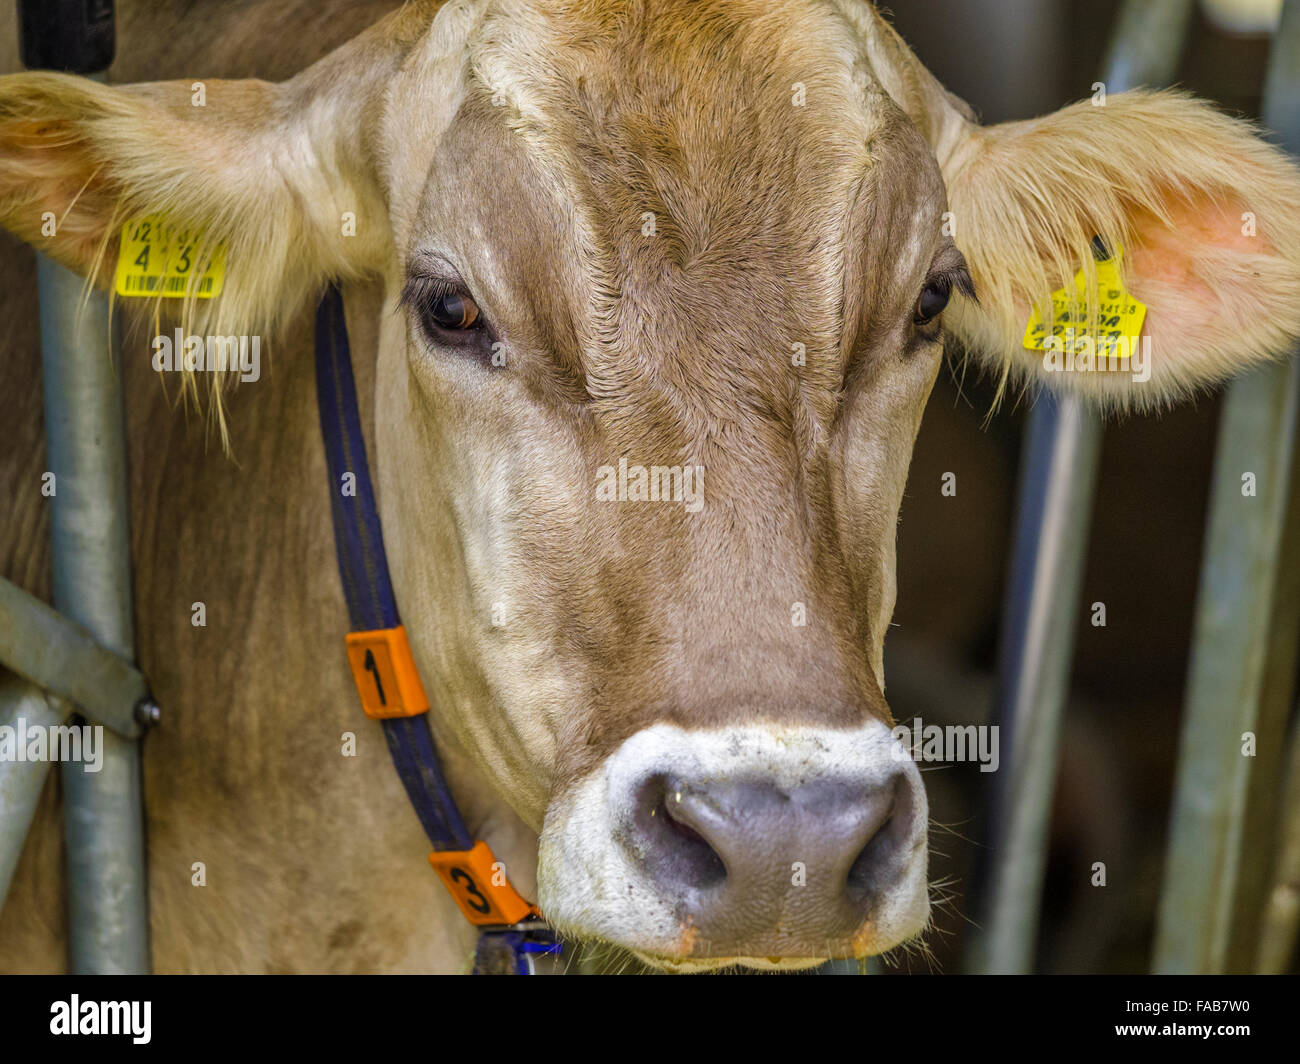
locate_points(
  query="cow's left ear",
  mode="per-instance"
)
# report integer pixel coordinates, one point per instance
(1207, 215)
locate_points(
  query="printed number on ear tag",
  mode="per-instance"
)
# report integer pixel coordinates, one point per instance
(157, 258)
(1119, 318)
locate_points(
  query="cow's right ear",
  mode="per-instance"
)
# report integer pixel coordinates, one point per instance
(282, 175)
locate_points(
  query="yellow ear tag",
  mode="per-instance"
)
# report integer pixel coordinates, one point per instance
(1119, 316)
(157, 258)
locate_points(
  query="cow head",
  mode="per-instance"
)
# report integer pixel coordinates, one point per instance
(667, 285)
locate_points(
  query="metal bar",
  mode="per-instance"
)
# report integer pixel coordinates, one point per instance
(1146, 44)
(1261, 846)
(1228, 676)
(108, 928)
(1042, 599)
(1280, 928)
(46, 648)
(1241, 678)
(21, 782)
(1057, 478)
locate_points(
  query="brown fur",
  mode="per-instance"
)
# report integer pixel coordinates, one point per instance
(522, 146)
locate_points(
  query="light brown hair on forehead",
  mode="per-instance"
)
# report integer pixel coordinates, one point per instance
(740, 149)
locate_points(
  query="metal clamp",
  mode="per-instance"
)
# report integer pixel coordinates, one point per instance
(58, 655)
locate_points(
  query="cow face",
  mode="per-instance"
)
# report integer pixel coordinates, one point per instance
(666, 291)
(659, 378)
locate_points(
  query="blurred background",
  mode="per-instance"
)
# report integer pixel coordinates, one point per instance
(1014, 59)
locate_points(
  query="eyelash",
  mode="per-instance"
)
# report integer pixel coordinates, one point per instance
(421, 293)
(948, 283)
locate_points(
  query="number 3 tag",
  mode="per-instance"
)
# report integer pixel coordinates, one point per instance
(482, 891)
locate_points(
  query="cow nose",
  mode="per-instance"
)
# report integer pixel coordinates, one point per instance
(755, 866)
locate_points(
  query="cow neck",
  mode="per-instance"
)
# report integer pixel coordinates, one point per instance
(512, 933)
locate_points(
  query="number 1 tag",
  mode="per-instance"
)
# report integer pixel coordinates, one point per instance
(385, 674)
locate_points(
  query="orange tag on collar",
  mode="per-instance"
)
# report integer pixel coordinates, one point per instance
(478, 884)
(385, 673)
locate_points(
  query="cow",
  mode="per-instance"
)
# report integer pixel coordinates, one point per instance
(721, 241)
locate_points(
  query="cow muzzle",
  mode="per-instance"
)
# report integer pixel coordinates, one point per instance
(751, 845)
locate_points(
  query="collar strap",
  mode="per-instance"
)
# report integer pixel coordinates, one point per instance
(379, 653)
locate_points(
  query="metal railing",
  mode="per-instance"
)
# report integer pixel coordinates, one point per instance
(1241, 684)
(1227, 803)
(83, 653)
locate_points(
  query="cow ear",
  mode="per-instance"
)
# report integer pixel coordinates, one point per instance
(282, 176)
(1207, 215)
(227, 160)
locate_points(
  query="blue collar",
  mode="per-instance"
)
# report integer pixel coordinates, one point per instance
(512, 934)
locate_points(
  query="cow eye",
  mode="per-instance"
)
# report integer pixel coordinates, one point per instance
(443, 306)
(934, 297)
(451, 310)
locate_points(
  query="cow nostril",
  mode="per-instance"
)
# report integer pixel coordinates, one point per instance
(680, 826)
(881, 860)
(677, 852)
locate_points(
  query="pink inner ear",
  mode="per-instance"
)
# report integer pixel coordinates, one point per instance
(1200, 226)
(1177, 255)
(1192, 259)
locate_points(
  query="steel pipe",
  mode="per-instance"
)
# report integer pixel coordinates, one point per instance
(1231, 762)
(1239, 681)
(108, 928)
(21, 782)
(1057, 480)
(1280, 926)
(61, 657)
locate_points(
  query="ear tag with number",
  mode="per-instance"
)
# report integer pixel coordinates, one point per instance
(1119, 315)
(157, 258)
